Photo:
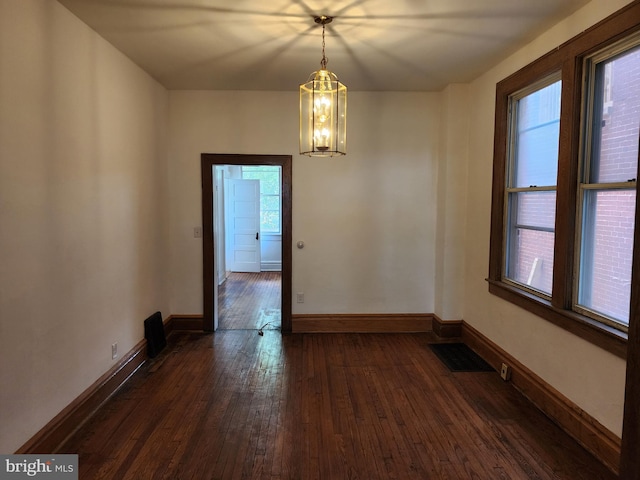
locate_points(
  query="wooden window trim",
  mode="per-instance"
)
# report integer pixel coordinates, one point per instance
(567, 59)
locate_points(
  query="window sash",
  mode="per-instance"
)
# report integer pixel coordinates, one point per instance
(600, 291)
(529, 252)
(592, 110)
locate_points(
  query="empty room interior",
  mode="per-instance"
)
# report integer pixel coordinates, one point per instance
(166, 156)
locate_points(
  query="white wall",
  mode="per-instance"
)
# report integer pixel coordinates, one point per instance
(452, 196)
(592, 378)
(271, 252)
(82, 227)
(367, 219)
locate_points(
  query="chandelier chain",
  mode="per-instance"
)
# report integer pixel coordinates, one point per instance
(323, 62)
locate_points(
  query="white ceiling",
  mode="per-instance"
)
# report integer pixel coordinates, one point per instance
(374, 45)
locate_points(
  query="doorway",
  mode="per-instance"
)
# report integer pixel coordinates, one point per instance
(211, 252)
(248, 240)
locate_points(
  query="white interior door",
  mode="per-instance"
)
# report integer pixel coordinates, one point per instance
(244, 225)
(219, 239)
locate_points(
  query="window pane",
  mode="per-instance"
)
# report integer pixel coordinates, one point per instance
(535, 209)
(607, 248)
(270, 185)
(269, 181)
(270, 221)
(616, 119)
(270, 202)
(538, 134)
(260, 168)
(531, 259)
(530, 253)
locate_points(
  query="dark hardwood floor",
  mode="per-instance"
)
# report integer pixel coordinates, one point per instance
(249, 301)
(234, 405)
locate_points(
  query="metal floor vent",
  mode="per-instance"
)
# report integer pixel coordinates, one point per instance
(154, 333)
(458, 357)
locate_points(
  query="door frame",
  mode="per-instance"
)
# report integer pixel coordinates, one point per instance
(208, 161)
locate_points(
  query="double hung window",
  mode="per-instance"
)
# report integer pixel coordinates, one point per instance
(607, 192)
(531, 185)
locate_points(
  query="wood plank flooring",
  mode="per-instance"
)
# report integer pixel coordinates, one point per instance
(249, 301)
(236, 405)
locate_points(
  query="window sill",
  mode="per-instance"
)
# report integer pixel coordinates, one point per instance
(604, 336)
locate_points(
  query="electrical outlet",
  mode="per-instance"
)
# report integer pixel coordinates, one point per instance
(300, 297)
(114, 351)
(505, 372)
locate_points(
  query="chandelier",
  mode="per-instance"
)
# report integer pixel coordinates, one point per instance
(323, 110)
